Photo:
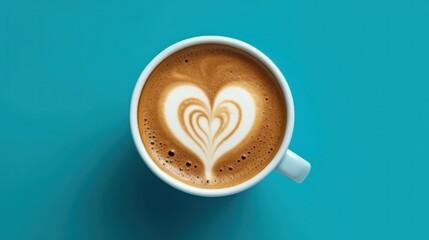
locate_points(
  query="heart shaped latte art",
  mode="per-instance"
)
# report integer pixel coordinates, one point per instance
(209, 130)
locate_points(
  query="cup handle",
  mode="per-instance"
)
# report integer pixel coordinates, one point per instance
(294, 167)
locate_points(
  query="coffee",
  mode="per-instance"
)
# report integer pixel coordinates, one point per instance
(211, 116)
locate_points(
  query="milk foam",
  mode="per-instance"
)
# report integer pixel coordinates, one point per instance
(208, 129)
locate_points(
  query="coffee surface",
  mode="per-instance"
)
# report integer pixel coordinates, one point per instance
(211, 116)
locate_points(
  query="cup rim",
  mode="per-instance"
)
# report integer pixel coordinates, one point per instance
(221, 40)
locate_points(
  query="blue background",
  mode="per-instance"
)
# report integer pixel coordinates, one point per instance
(358, 71)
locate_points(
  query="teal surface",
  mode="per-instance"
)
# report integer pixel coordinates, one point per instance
(359, 73)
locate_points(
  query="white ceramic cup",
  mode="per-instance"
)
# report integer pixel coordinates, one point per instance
(285, 161)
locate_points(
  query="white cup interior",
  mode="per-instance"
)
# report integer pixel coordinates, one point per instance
(222, 41)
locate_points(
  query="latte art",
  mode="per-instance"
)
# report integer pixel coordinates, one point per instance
(209, 130)
(211, 116)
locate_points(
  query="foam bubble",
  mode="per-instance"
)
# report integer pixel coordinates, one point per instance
(171, 153)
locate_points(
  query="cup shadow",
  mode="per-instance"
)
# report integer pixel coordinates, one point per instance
(124, 198)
